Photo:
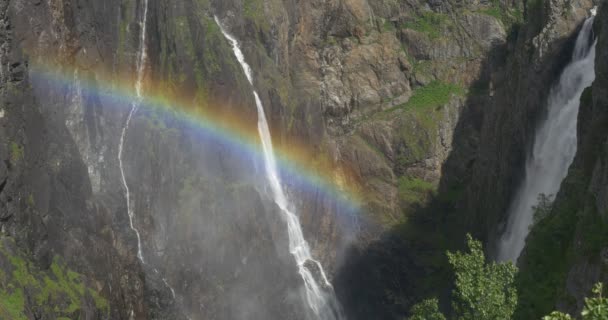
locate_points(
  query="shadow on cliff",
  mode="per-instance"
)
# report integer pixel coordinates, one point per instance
(408, 263)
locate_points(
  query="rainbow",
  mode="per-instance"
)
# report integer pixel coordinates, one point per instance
(302, 168)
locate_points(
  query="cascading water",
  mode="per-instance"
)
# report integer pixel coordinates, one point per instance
(554, 146)
(319, 292)
(140, 66)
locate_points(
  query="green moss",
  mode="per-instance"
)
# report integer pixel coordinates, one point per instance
(12, 304)
(389, 26)
(59, 292)
(433, 95)
(30, 200)
(509, 16)
(494, 11)
(16, 152)
(419, 120)
(430, 23)
(414, 190)
(254, 10)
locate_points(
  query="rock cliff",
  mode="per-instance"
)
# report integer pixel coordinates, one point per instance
(426, 108)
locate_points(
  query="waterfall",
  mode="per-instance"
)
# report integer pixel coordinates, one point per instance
(320, 295)
(140, 68)
(554, 146)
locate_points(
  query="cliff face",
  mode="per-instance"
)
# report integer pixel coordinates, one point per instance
(51, 178)
(195, 200)
(428, 107)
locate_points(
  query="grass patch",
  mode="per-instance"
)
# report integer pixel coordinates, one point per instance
(414, 190)
(389, 26)
(254, 10)
(420, 118)
(509, 17)
(433, 95)
(429, 23)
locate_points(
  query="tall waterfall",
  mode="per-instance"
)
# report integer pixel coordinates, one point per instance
(554, 146)
(319, 292)
(140, 68)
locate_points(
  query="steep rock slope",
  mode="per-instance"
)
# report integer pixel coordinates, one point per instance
(378, 86)
(47, 199)
(411, 101)
(211, 239)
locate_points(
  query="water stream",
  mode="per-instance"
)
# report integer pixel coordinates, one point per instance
(320, 295)
(554, 146)
(140, 66)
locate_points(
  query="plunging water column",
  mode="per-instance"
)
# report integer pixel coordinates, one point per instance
(554, 146)
(319, 292)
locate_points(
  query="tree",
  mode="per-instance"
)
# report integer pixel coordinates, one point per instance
(595, 308)
(427, 310)
(484, 291)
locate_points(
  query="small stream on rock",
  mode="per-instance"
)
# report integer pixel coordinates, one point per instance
(555, 144)
(320, 294)
(140, 66)
(139, 91)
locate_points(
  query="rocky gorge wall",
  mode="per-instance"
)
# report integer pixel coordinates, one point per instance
(429, 105)
(47, 195)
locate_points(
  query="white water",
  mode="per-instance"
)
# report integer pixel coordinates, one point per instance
(554, 146)
(140, 66)
(319, 292)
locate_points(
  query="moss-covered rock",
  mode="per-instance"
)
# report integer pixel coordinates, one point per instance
(26, 290)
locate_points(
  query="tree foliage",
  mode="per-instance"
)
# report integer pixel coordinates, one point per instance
(595, 308)
(484, 291)
(427, 310)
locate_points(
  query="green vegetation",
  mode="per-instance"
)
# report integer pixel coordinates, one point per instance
(483, 291)
(389, 26)
(508, 16)
(429, 23)
(419, 123)
(414, 190)
(595, 308)
(254, 10)
(486, 291)
(16, 152)
(59, 291)
(432, 95)
(549, 254)
(30, 200)
(427, 310)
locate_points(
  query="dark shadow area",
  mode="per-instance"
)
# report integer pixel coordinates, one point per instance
(495, 130)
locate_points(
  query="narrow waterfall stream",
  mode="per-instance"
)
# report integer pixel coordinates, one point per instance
(554, 146)
(140, 66)
(320, 295)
